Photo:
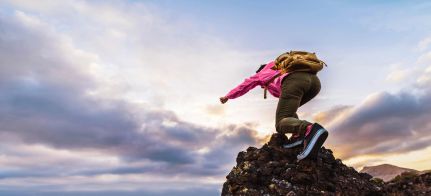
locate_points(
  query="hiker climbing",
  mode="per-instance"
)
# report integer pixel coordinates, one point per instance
(292, 78)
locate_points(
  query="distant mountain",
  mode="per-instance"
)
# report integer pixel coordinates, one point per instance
(386, 172)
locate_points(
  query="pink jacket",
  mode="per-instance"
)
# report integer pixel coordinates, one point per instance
(261, 78)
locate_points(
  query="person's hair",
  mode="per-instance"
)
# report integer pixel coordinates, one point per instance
(260, 68)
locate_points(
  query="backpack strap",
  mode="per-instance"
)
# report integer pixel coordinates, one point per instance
(267, 84)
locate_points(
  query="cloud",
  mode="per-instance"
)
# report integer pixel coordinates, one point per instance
(384, 123)
(216, 110)
(425, 58)
(330, 115)
(150, 55)
(50, 97)
(398, 75)
(171, 191)
(423, 80)
(424, 43)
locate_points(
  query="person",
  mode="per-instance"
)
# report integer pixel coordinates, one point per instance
(293, 89)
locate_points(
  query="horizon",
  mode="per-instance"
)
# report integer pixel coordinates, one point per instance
(121, 97)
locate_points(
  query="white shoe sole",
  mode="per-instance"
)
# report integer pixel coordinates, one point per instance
(319, 138)
(294, 144)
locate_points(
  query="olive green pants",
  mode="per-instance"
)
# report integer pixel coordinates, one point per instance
(297, 89)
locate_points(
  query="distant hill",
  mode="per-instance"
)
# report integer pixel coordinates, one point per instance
(386, 172)
(425, 171)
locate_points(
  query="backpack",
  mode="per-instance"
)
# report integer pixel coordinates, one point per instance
(295, 61)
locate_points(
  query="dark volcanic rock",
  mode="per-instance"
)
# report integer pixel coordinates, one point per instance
(409, 184)
(273, 170)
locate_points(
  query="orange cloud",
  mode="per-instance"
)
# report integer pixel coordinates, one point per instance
(216, 110)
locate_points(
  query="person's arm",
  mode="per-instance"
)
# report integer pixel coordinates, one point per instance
(260, 78)
(242, 88)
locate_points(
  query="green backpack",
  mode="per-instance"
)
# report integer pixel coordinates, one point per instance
(295, 61)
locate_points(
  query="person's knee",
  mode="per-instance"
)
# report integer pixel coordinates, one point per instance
(286, 125)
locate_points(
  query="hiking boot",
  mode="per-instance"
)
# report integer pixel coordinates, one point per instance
(313, 141)
(294, 141)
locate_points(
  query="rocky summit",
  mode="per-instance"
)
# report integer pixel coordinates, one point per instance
(274, 170)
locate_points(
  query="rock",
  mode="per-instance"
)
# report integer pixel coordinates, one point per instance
(277, 140)
(409, 184)
(274, 170)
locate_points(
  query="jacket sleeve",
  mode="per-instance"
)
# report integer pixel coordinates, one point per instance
(244, 87)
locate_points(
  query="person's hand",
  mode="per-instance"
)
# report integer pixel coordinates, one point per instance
(223, 99)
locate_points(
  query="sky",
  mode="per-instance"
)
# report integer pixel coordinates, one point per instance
(121, 97)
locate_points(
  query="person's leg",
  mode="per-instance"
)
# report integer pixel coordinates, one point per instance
(312, 92)
(294, 87)
(309, 95)
(295, 134)
(316, 135)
